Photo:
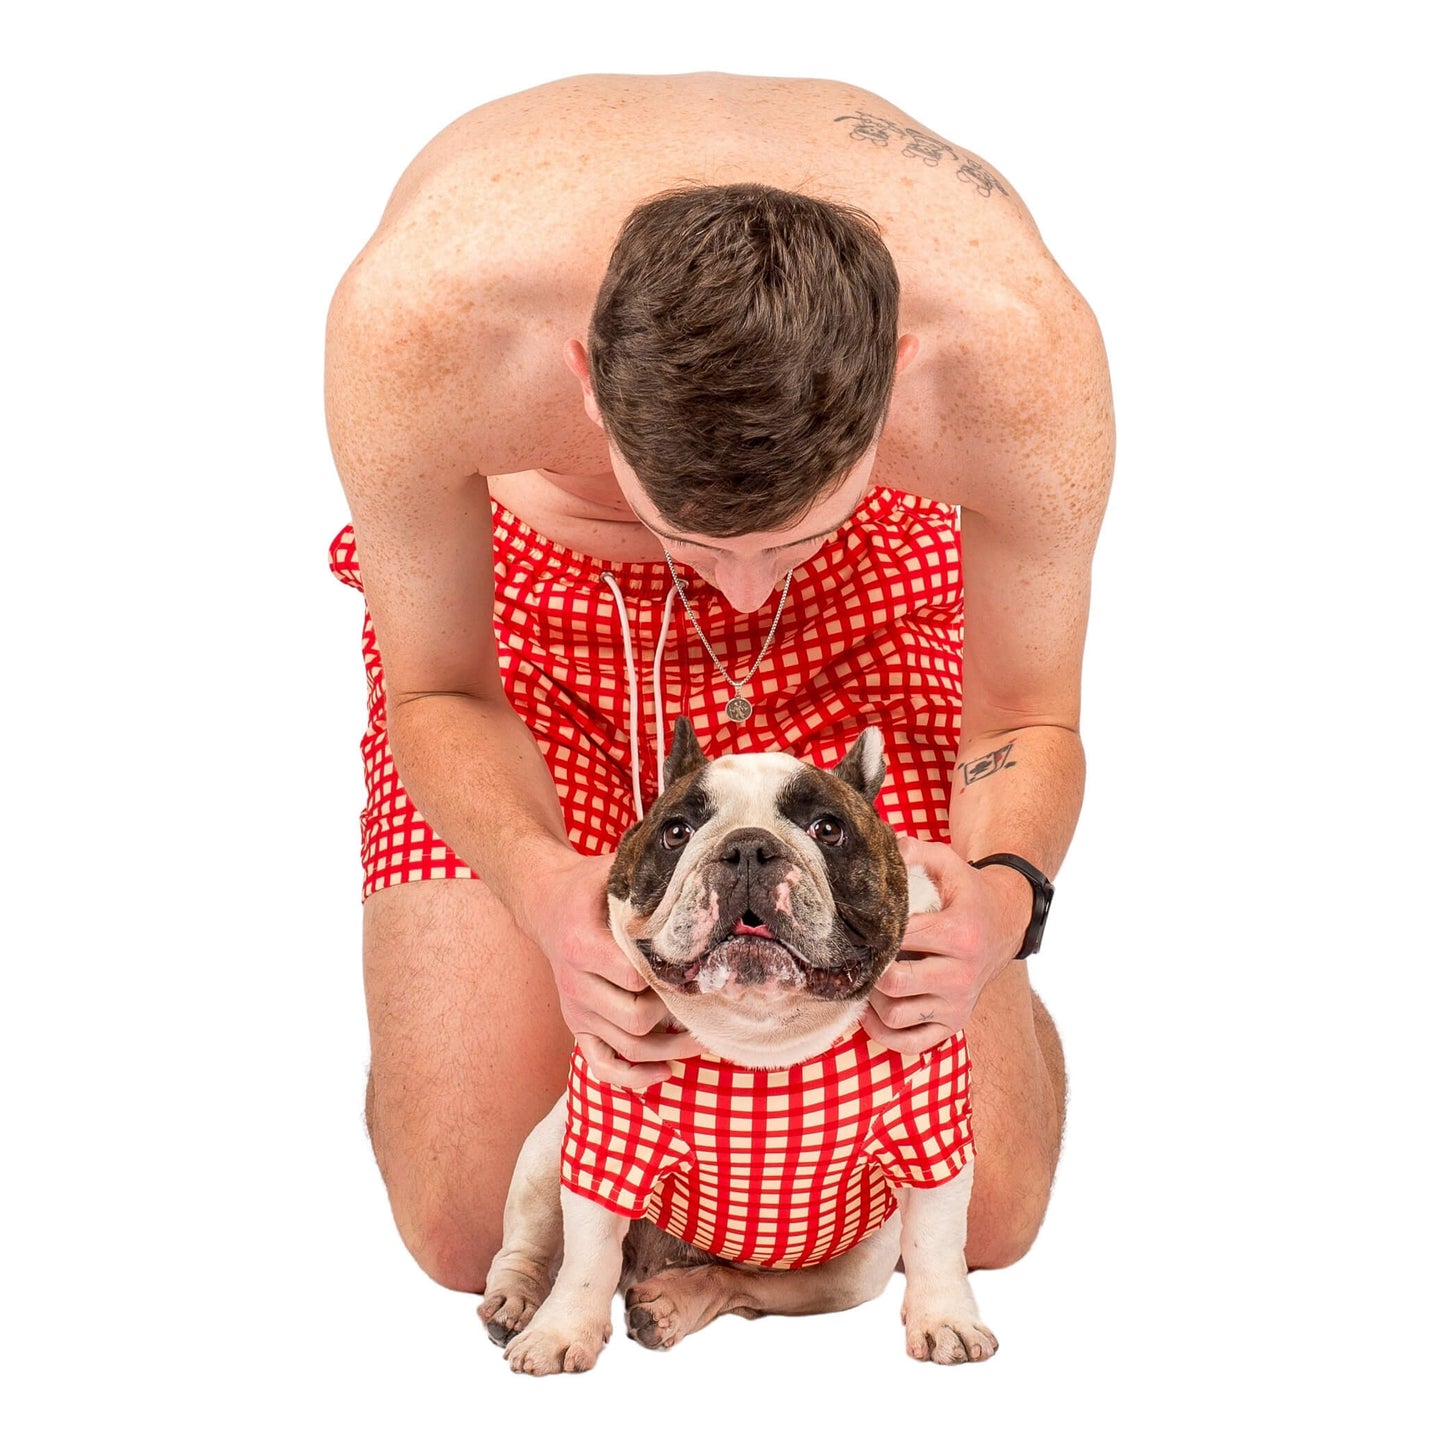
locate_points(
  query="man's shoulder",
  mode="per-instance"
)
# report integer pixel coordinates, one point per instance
(1011, 364)
(439, 263)
(456, 323)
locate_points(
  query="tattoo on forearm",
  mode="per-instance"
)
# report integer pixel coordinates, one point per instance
(926, 148)
(986, 766)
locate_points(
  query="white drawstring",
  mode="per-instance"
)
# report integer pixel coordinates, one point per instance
(659, 720)
(611, 581)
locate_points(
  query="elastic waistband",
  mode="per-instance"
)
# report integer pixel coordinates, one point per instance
(523, 542)
(516, 541)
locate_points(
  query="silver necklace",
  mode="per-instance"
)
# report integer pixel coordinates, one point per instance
(739, 709)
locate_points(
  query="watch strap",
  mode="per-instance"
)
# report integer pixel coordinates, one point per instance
(1043, 896)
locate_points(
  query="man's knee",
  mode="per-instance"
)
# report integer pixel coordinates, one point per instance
(450, 1251)
(1020, 1134)
(448, 1226)
(448, 1231)
(1003, 1238)
(461, 1071)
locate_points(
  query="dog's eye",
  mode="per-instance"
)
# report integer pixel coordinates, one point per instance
(826, 830)
(675, 833)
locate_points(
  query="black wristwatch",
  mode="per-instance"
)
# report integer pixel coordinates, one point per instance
(1043, 896)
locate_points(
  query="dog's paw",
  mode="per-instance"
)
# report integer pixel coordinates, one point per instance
(510, 1300)
(540, 1350)
(671, 1305)
(948, 1341)
(653, 1324)
(652, 1317)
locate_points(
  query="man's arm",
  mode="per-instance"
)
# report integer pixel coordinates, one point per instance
(418, 407)
(1040, 455)
(405, 385)
(1040, 481)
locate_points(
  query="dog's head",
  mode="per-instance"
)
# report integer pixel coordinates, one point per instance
(762, 897)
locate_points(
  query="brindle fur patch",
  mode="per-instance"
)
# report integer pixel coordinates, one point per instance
(868, 904)
(643, 867)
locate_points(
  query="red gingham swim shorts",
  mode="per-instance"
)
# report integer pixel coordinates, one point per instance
(872, 633)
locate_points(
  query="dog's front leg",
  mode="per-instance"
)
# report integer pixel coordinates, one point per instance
(575, 1320)
(940, 1315)
(521, 1270)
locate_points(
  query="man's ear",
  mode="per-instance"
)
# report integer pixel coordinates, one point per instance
(686, 755)
(865, 766)
(907, 350)
(575, 355)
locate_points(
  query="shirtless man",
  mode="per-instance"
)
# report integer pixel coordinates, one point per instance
(458, 369)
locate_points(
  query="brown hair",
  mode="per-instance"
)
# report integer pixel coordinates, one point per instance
(742, 352)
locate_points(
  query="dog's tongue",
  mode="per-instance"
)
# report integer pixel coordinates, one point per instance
(758, 930)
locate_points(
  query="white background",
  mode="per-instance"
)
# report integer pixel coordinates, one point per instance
(1243, 960)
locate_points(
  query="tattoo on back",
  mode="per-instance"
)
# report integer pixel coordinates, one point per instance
(926, 148)
(986, 766)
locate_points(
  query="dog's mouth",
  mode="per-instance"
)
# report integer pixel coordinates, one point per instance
(750, 925)
(750, 955)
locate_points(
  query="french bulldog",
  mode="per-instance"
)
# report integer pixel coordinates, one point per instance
(786, 1169)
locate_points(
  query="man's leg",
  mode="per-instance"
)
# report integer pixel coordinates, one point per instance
(468, 1052)
(1018, 1090)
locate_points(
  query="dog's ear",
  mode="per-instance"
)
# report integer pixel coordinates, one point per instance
(686, 755)
(865, 766)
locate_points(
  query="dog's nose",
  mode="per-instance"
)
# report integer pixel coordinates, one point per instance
(745, 848)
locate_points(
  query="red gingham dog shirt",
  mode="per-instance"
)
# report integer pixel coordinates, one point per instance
(779, 1168)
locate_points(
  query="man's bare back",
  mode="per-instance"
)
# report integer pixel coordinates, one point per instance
(496, 238)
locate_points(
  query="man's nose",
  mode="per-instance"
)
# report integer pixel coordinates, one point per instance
(747, 584)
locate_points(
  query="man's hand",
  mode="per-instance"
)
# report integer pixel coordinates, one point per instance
(619, 1023)
(981, 920)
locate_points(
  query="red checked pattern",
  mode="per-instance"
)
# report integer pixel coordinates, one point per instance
(872, 633)
(780, 1168)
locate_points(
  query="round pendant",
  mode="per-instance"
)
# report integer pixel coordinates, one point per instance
(739, 709)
